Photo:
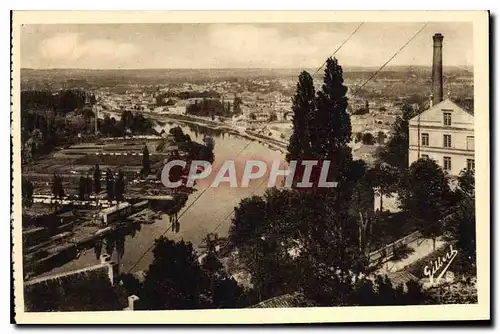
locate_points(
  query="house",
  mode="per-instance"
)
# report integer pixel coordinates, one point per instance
(444, 133)
(239, 121)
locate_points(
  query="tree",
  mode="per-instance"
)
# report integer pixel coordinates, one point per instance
(127, 119)
(110, 189)
(27, 193)
(384, 178)
(57, 186)
(81, 188)
(209, 142)
(146, 168)
(172, 280)
(330, 132)
(179, 135)
(395, 152)
(337, 289)
(107, 126)
(460, 225)
(248, 221)
(60, 191)
(280, 234)
(88, 186)
(303, 108)
(428, 197)
(160, 100)
(97, 180)
(361, 204)
(466, 183)
(255, 231)
(176, 280)
(237, 105)
(293, 242)
(224, 291)
(119, 186)
(273, 117)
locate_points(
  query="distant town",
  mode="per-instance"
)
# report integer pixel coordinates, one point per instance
(259, 101)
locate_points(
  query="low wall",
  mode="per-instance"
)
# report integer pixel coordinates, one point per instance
(385, 253)
(90, 288)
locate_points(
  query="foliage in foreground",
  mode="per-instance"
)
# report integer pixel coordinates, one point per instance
(176, 280)
(290, 241)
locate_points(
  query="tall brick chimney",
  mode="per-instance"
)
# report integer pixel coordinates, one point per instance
(437, 69)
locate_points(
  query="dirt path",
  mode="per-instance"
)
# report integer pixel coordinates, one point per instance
(419, 249)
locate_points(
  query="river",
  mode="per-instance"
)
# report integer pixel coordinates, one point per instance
(210, 213)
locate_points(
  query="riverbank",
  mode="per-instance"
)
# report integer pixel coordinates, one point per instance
(247, 134)
(359, 150)
(53, 240)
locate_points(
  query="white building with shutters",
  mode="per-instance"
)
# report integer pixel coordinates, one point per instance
(444, 133)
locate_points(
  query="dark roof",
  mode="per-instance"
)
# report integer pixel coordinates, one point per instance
(447, 103)
(467, 107)
(285, 301)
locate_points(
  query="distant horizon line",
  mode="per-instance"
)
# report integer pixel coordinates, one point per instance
(230, 68)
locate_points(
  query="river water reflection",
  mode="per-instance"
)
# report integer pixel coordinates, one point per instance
(211, 212)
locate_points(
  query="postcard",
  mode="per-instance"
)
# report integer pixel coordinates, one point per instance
(201, 167)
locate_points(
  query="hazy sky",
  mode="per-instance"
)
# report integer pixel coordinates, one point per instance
(304, 45)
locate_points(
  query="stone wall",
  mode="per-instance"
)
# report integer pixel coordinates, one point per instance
(89, 289)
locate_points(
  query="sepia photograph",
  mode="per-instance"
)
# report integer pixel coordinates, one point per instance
(321, 164)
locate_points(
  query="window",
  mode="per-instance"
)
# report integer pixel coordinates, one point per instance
(447, 163)
(425, 139)
(447, 118)
(470, 143)
(471, 165)
(446, 140)
(425, 156)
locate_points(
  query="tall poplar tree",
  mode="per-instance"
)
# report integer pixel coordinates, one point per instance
(119, 186)
(299, 146)
(331, 130)
(110, 189)
(57, 186)
(146, 167)
(97, 180)
(27, 193)
(81, 188)
(88, 186)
